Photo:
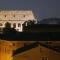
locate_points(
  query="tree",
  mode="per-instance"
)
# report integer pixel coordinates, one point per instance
(7, 30)
(27, 25)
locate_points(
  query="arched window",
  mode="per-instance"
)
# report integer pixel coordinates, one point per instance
(19, 25)
(14, 25)
(8, 25)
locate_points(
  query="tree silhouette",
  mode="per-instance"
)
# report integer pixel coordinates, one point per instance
(7, 30)
(27, 25)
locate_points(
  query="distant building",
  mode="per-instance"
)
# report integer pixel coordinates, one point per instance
(16, 18)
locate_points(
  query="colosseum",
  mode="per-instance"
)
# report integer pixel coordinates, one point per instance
(16, 18)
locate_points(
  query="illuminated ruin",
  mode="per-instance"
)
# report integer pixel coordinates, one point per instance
(16, 18)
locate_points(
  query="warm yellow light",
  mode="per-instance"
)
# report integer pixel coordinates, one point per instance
(6, 57)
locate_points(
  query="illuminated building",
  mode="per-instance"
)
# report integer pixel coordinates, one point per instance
(16, 18)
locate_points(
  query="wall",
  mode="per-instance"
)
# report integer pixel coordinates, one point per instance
(38, 53)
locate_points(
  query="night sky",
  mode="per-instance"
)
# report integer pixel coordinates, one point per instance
(41, 8)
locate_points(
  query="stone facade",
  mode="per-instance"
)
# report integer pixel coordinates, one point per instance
(15, 18)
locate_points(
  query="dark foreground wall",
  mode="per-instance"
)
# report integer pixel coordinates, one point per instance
(33, 32)
(32, 36)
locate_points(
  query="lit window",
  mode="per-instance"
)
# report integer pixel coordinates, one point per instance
(14, 25)
(26, 24)
(19, 25)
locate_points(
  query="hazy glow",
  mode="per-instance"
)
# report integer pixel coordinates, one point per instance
(4, 56)
(7, 47)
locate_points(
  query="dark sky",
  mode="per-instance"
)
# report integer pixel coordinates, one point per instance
(41, 8)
